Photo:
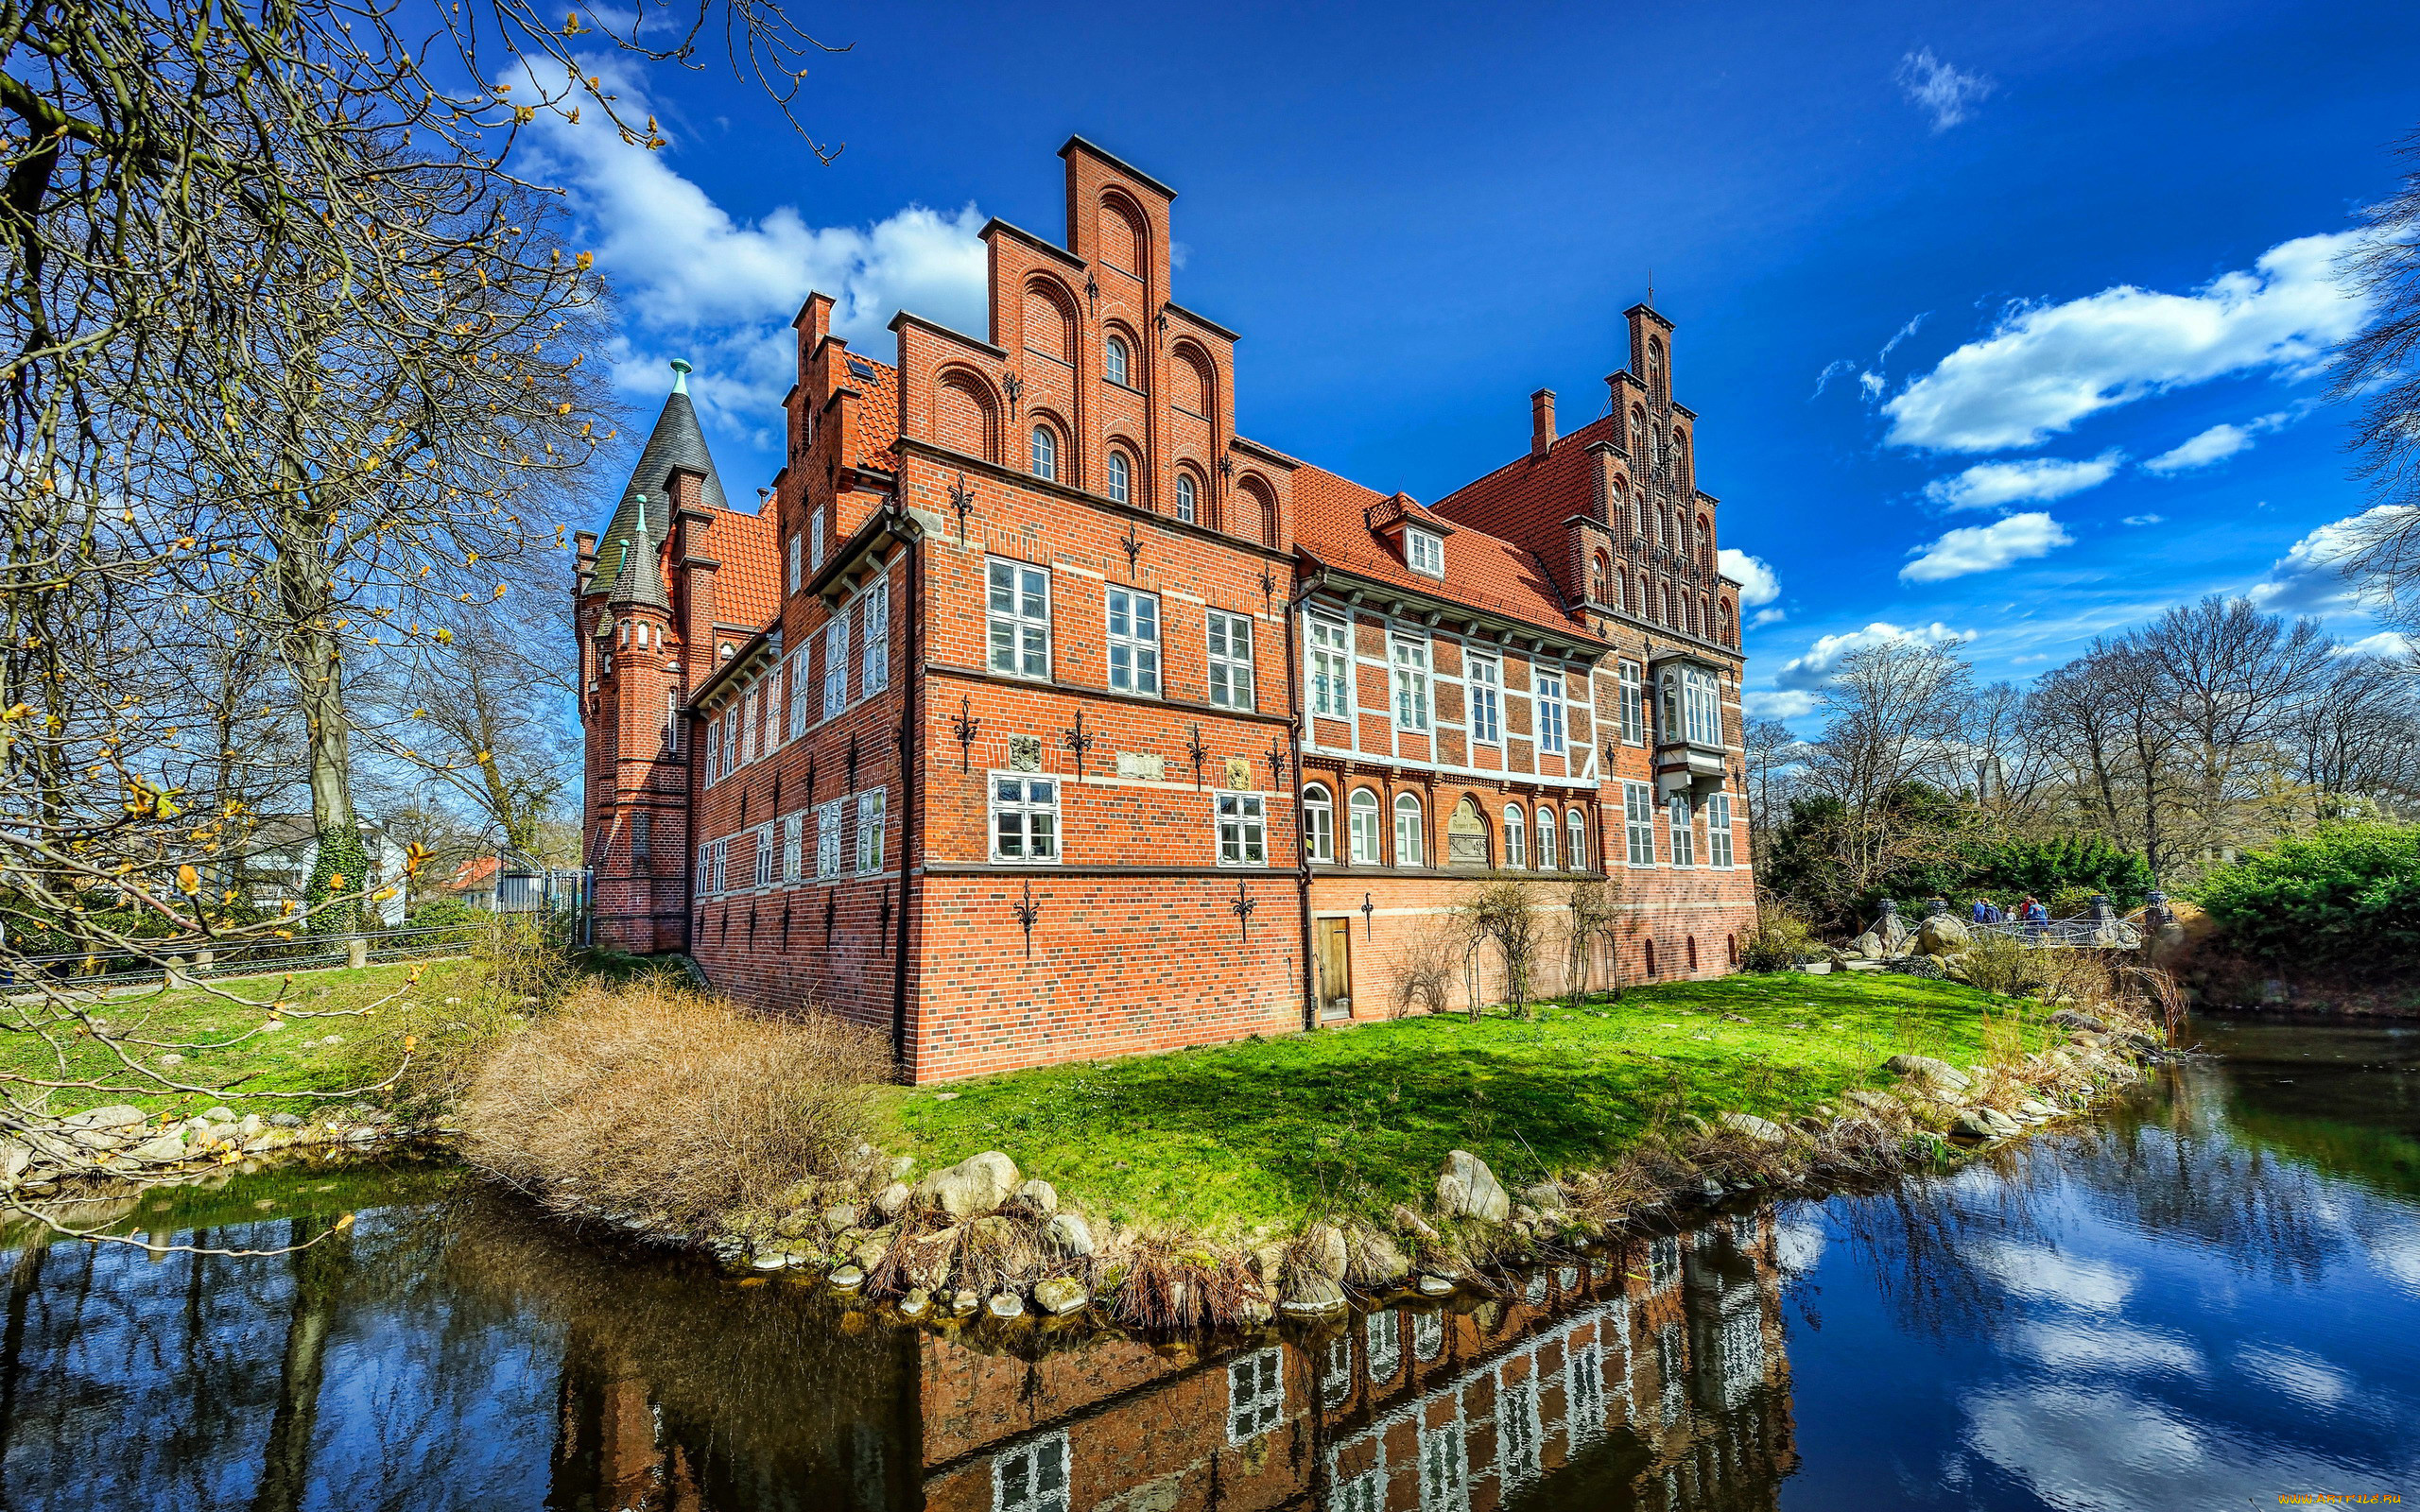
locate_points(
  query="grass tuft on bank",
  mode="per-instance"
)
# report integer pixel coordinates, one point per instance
(1263, 1132)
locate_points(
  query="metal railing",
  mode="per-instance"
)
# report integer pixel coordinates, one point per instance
(111, 969)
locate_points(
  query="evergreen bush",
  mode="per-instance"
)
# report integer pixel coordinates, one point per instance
(2346, 900)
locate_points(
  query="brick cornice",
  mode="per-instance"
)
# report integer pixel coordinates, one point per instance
(1079, 689)
(934, 451)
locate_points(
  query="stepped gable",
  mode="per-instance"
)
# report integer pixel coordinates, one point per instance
(1335, 524)
(676, 442)
(1529, 499)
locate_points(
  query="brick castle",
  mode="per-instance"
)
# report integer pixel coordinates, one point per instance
(1037, 715)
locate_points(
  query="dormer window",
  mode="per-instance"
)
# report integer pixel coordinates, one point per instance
(1425, 552)
(1117, 363)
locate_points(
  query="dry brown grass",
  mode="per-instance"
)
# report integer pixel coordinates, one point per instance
(656, 1101)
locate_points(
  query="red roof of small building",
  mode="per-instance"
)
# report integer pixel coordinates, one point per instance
(1528, 498)
(477, 872)
(1336, 523)
(878, 413)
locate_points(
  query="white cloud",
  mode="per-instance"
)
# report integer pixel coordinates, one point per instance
(2145, 519)
(698, 283)
(2046, 366)
(1948, 94)
(2212, 446)
(1992, 485)
(2042, 1274)
(1871, 385)
(1768, 616)
(1838, 368)
(1787, 704)
(1802, 675)
(1757, 584)
(2387, 644)
(1985, 548)
(2310, 577)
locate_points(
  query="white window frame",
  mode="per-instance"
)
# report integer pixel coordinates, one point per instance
(874, 656)
(1719, 852)
(794, 846)
(1548, 843)
(799, 704)
(1575, 840)
(1020, 1476)
(1424, 552)
(1318, 823)
(1701, 707)
(1117, 361)
(871, 806)
(1584, 1391)
(1680, 818)
(1134, 653)
(1408, 658)
(1368, 828)
(730, 740)
(1025, 808)
(1516, 835)
(1042, 450)
(1331, 670)
(1445, 1468)
(1633, 704)
(828, 819)
(815, 539)
(1255, 1395)
(750, 724)
(1639, 823)
(835, 666)
(1547, 694)
(1028, 633)
(672, 719)
(1231, 676)
(1241, 821)
(764, 854)
(1417, 829)
(1121, 477)
(1519, 1435)
(1487, 699)
(1189, 498)
(1381, 1345)
(797, 562)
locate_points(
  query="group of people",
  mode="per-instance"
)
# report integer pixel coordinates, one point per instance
(2030, 913)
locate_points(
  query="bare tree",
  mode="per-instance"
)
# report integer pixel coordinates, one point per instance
(2379, 367)
(1590, 905)
(1775, 757)
(1500, 913)
(2225, 678)
(1894, 719)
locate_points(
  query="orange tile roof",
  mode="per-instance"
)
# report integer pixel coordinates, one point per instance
(877, 415)
(1332, 525)
(748, 589)
(1528, 499)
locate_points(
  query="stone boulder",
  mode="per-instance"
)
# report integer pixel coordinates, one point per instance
(1867, 946)
(1942, 935)
(1764, 1131)
(1467, 1189)
(1320, 1253)
(1039, 1195)
(1060, 1296)
(892, 1200)
(978, 1184)
(1927, 967)
(1069, 1234)
(1377, 1260)
(2076, 1019)
(1939, 1073)
(1310, 1296)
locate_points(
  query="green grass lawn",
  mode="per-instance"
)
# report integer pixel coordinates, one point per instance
(292, 1059)
(1264, 1131)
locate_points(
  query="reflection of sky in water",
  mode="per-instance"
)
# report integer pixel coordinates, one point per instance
(2161, 1310)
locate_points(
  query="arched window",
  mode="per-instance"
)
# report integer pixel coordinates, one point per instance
(1318, 823)
(1546, 840)
(1729, 625)
(1046, 453)
(1516, 838)
(1689, 610)
(1692, 943)
(1187, 498)
(1669, 615)
(1121, 479)
(1654, 365)
(1731, 943)
(1597, 577)
(1706, 614)
(1575, 840)
(1637, 526)
(1680, 456)
(1114, 353)
(1705, 543)
(1650, 951)
(1621, 590)
(1638, 436)
(1362, 812)
(1411, 849)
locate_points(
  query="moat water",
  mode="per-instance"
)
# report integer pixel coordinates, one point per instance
(2206, 1297)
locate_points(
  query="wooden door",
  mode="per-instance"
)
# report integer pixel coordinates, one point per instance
(1336, 967)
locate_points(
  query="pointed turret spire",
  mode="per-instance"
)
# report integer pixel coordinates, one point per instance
(676, 443)
(638, 577)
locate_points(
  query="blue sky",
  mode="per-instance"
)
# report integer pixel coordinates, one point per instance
(2004, 322)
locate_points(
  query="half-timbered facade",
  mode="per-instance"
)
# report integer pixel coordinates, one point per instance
(1038, 716)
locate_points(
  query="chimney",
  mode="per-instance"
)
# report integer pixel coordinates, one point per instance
(1541, 422)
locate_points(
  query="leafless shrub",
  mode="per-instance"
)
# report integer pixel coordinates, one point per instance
(657, 1100)
(1174, 1281)
(1425, 974)
(1500, 913)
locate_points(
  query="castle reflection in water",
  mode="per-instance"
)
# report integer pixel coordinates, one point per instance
(1654, 1377)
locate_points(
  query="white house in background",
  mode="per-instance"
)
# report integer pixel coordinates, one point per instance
(272, 865)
